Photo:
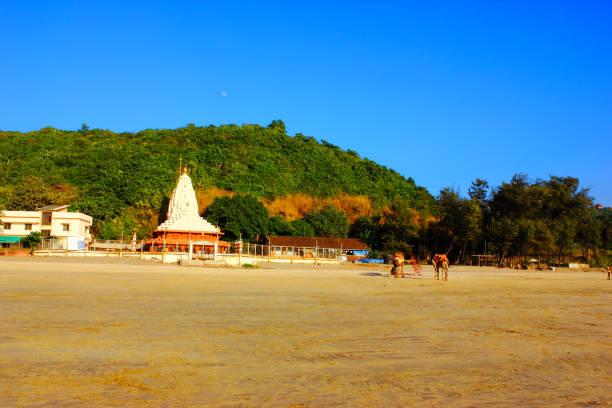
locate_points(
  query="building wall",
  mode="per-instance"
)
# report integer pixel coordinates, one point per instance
(79, 224)
(18, 221)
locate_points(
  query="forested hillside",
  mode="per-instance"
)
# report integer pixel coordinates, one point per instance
(254, 181)
(125, 178)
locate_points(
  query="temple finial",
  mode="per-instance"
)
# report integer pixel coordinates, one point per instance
(185, 170)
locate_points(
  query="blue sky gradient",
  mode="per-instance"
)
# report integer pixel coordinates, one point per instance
(502, 87)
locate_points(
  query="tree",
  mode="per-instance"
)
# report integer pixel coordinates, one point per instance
(240, 216)
(301, 228)
(32, 240)
(546, 218)
(278, 124)
(479, 190)
(399, 230)
(502, 233)
(366, 229)
(30, 193)
(604, 217)
(589, 233)
(5, 192)
(330, 222)
(278, 226)
(460, 219)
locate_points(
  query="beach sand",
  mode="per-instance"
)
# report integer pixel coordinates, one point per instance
(82, 332)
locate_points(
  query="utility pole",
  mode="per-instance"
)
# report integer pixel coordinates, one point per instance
(239, 248)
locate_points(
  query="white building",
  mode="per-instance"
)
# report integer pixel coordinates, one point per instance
(71, 228)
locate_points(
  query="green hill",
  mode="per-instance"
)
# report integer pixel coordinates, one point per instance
(107, 174)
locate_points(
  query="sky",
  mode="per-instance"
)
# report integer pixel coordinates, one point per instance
(443, 92)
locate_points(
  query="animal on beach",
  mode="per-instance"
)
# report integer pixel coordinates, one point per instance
(415, 266)
(398, 265)
(440, 261)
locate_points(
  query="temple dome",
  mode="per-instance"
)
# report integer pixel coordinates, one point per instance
(183, 212)
(183, 198)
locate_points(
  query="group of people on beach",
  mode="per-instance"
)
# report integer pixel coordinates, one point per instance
(440, 263)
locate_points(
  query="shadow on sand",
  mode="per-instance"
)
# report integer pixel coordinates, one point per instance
(373, 274)
(387, 275)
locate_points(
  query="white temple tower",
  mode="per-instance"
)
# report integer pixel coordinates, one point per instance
(184, 228)
(183, 212)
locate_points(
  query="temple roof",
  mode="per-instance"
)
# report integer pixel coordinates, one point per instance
(183, 210)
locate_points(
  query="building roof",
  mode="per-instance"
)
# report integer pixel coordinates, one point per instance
(73, 216)
(183, 213)
(54, 207)
(320, 242)
(9, 240)
(32, 217)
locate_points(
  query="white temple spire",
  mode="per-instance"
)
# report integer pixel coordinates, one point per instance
(183, 212)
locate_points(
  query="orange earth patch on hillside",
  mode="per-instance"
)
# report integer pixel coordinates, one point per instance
(295, 206)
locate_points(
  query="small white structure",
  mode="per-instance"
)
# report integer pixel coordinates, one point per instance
(72, 228)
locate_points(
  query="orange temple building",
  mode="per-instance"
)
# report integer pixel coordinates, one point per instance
(184, 230)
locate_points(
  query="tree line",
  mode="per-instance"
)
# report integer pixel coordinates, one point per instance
(123, 180)
(550, 220)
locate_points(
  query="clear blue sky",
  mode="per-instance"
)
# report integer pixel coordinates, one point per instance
(442, 93)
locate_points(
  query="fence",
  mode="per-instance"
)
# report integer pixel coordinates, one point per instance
(50, 244)
(113, 245)
(127, 248)
(275, 251)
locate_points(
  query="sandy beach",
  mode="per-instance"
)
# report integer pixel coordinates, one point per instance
(79, 332)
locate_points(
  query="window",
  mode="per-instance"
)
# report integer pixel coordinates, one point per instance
(65, 227)
(28, 227)
(7, 225)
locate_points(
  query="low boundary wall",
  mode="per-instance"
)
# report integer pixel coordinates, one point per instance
(183, 257)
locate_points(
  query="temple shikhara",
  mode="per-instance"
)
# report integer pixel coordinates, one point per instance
(184, 230)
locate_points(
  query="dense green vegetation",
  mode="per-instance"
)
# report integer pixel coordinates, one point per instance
(124, 180)
(550, 220)
(329, 222)
(32, 240)
(121, 179)
(240, 217)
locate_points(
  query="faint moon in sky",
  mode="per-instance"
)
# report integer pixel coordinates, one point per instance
(223, 93)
